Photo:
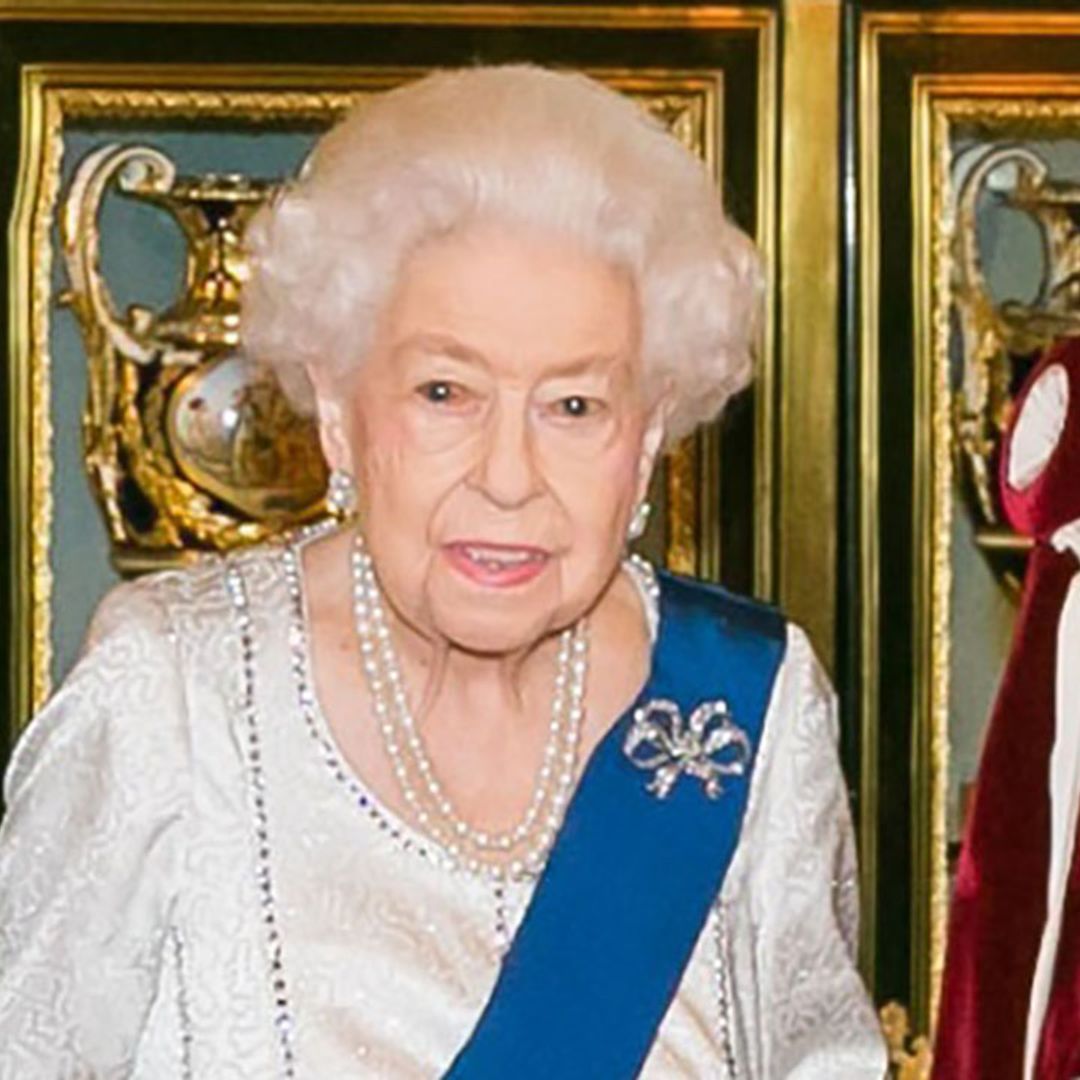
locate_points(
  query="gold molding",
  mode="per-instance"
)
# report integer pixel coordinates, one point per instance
(869, 492)
(910, 1056)
(355, 12)
(1004, 99)
(932, 480)
(808, 299)
(30, 465)
(1028, 23)
(766, 528)
(54, 94)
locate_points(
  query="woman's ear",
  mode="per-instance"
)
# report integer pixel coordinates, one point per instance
(653, 440)
(333, 425)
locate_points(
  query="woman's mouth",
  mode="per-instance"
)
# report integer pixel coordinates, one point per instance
(496, 565)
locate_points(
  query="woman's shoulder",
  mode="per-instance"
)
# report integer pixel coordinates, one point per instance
(801, 683)
(802, 725)
(741, 614)
(802, 703)
(189, 601)
(127, 692)
(744, 613)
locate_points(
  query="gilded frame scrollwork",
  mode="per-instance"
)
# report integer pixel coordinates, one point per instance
(1005, 107)
(52, 95)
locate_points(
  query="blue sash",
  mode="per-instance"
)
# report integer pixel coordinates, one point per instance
(630, 881)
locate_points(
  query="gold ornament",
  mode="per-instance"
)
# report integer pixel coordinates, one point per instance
(997, 339)
(188, 445)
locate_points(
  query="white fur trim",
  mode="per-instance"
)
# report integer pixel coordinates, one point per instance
(1064, 796)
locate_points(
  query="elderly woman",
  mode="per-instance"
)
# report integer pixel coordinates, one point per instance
(453, 788)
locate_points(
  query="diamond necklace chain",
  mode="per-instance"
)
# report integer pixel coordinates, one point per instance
(432, 807)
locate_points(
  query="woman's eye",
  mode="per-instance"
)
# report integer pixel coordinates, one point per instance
(441, 392)
(577, 406)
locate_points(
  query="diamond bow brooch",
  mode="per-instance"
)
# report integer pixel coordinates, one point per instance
(709, 746)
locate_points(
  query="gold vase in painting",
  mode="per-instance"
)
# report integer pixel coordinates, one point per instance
(189, 446)
(999, 340)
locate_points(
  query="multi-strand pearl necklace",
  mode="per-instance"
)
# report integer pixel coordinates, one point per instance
(431, 806)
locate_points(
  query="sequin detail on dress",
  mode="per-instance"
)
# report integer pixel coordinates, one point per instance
(284, 1024)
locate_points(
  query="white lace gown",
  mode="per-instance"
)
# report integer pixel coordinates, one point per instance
(191, 888)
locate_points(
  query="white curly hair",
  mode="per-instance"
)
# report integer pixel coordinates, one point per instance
(513, 143)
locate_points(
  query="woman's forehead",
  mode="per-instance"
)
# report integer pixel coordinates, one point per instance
(445, 346)
(487, 290)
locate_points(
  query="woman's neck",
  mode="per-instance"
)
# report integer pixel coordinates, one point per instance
(484, 720)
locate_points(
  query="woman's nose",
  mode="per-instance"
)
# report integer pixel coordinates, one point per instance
(507, 472)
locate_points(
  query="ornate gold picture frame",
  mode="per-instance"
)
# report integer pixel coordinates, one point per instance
(1007, 112)
(937, 90)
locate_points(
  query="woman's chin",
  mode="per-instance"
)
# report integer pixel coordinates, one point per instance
(489, 632)
(490, 621)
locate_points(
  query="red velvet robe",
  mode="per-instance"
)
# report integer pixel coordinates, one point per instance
(999, 905)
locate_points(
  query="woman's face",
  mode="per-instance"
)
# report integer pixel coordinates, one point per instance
(499, 434)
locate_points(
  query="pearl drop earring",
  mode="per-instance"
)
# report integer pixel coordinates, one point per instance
(341, 494)
(640, 519)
